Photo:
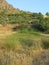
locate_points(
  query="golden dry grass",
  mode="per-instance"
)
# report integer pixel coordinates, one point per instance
(12, 50)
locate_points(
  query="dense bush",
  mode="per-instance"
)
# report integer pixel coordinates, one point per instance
(40, 22)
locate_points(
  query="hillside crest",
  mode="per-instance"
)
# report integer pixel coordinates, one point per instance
(6, 7)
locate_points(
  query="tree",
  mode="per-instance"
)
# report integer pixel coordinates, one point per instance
(47, 13)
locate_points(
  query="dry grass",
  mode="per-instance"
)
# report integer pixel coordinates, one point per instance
(14, 49)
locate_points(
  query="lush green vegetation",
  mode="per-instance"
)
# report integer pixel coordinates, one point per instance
(37, 21)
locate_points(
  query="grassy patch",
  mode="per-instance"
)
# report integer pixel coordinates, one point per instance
(18, 39)
(45, 43)
(29, 31)
(26, 42)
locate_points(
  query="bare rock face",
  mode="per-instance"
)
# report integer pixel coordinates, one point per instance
(4, 6)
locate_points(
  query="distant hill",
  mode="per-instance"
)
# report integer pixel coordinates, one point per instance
(10, 14)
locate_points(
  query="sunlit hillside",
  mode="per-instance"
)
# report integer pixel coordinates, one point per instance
(24, 36)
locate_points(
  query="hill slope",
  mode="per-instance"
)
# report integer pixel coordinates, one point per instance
(10, 15)
(4, 6)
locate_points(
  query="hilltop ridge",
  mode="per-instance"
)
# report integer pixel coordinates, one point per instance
(6, 7)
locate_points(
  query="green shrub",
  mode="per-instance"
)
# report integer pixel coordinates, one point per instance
(40, 23)
(26, 42)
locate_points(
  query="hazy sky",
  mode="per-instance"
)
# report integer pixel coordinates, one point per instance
(31, 5)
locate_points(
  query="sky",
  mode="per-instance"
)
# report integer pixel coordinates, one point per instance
(31, 5)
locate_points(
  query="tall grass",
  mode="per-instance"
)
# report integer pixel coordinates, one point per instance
(25, 51)
(45, 43)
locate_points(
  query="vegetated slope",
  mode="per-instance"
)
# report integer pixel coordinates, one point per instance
(26, 46)
(25, 19)
(10, 15)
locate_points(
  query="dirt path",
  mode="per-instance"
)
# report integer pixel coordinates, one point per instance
(45, 35)
(5, 33)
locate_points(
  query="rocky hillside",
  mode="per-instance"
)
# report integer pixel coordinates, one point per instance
(4, 6)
